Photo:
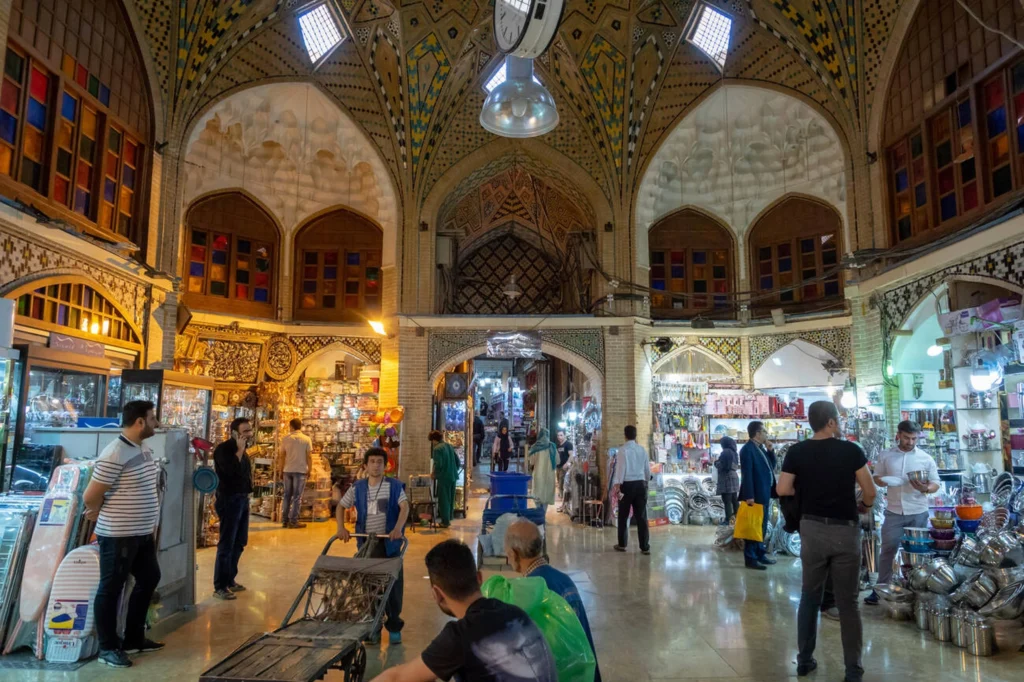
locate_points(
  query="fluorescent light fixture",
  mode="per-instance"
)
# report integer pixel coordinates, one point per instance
(777, 361)
(498, 77)
(378, 326)
(320, 32)
(710, 33)
(934, 350)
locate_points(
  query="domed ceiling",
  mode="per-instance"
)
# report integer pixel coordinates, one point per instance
(410, 73)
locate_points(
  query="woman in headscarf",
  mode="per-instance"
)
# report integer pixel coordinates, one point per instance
(543, 458)
(728, 464)
(501, 451)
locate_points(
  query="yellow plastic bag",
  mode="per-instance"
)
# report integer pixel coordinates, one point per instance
(749, 522)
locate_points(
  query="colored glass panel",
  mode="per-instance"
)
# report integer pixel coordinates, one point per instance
(902, 181)
(60, 189)
(996, 120)
(67, 64)
(39, 84)
(1002, 181)
(9, 94)
(947, 207)
(8, 127)
(36, 114)
(261, 295)
(993, 93)
(68, 107)
(14, 65)
(970, 193)
(920, 195)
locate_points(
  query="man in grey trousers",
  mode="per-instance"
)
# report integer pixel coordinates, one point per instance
(823, 472)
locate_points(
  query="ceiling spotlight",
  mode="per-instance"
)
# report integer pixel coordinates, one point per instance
(848, 400)
(777, 361)
(520, 106)
(934, 350)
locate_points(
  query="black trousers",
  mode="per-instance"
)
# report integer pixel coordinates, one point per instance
(634, 496)
(393, 609)
(233, 511)
(478, 449)
(120, 557)
(731, 503)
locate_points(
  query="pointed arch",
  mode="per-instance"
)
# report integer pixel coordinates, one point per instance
(305, 362)
(665, 360)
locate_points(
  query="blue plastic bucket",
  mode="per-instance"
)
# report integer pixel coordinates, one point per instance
(508, 483)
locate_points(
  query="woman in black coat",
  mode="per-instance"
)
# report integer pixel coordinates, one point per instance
(728, 466)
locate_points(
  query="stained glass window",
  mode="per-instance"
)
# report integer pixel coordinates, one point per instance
(228, 266)
(340, 279)
(77, 307)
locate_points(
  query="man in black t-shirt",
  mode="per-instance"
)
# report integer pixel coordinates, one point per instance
(490, 642)
(564, 448)
(824, 471)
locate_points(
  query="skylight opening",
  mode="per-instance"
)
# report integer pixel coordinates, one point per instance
(498, 77)
(320, 32)
(710, 33)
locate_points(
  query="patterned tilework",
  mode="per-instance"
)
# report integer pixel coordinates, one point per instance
(157, 18)
(818, 36)
(444, 346)
(1006, 265)
(651, 59)
(604, 70)
(835, 341)
(386, 62)
(427, 67)
(199, 32)
(728, 348)
(877, 19)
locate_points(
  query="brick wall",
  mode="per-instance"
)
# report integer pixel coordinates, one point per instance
(415, 394)
(618, 403)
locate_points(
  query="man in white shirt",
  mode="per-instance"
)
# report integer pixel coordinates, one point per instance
(296, 458)
(906, 504)
(632, 473)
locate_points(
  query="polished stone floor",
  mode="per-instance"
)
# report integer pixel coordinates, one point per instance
(688, 612)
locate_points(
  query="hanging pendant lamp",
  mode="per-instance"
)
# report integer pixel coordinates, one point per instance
(520, 106)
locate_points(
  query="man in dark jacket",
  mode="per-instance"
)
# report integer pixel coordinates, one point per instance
(757, 481)
(728, 466)
(234, 475)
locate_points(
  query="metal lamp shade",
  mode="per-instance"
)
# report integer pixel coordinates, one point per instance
(520, 106)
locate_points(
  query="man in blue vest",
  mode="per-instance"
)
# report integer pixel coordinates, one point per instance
(757, 485)
(381, 509)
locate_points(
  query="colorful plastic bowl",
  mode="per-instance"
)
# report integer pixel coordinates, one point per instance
(969, 512)
(968, 526)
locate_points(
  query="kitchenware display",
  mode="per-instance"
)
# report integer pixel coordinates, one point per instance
(945, 545)
(996, 520)
(918, 547)
(1002, 488)
(943, 524)
(1005, 576)
(943, 534)
(967, 551)
(942, 579)
(960, 594)
(892, 480)
(895, 593)
(1007, 603)
(915, 534)
(899, 610)
(943, 513)
(982, 589)
(969, 512)
(938, 623)
(1008, 635)
(1001, 550)
(980, 640)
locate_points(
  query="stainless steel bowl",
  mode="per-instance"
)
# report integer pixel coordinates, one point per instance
(919, 577)
(943, 578)
(967, 554)
(918, 476)
(1005, 576)
(1008, 603)
(1000, 549)
(917, 534)
(981, 591)
(918, 559)
(960, 593)
(895, 594)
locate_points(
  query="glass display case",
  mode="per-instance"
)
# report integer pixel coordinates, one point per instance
(456, 430)
(49, 389)
(181, 399)
(7, 358)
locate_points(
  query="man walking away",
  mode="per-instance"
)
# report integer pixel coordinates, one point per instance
(825, 471)
(728, 486)
(757, 480)
(297, 461)
(445, 475)
(478, 438)
(564, 447)
(382, 510)
(524, 548)
(232, 507)
(632, 474)
(490, 641)
(906, 504)
(122, 498)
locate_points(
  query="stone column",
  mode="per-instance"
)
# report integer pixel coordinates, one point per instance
(619, 402)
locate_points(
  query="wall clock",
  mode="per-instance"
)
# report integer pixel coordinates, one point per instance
(525, 28)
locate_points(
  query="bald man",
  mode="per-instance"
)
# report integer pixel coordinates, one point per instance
(524, 548)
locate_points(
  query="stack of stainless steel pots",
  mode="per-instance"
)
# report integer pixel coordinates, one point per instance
(921, 615)
(938, 618)
(958, 626)
(980, 639)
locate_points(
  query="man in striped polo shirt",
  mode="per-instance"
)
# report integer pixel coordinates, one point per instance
(122, 498)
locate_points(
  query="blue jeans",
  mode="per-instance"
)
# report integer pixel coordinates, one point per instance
(294, 484)
(233, 511)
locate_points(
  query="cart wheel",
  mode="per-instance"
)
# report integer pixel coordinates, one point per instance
(357, 666)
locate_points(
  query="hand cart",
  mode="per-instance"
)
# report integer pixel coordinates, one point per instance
(342, 604)
(520, 508)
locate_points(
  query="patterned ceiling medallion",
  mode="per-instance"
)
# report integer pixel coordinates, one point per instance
(281, 358)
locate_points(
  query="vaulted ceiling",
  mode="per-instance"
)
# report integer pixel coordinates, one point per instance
(410, 72)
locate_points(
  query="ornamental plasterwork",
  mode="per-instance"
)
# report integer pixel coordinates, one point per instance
(444, 346)
(736, 153)
(836, 341)
(727, 348)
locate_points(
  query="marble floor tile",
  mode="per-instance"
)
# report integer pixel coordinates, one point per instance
(687, 612)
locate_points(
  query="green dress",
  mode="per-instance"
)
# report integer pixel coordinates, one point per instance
(446, 473)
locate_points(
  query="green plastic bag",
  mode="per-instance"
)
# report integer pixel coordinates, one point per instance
(555, 619)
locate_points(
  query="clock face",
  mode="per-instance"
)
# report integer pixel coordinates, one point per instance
(457, 386)
(510, 17)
